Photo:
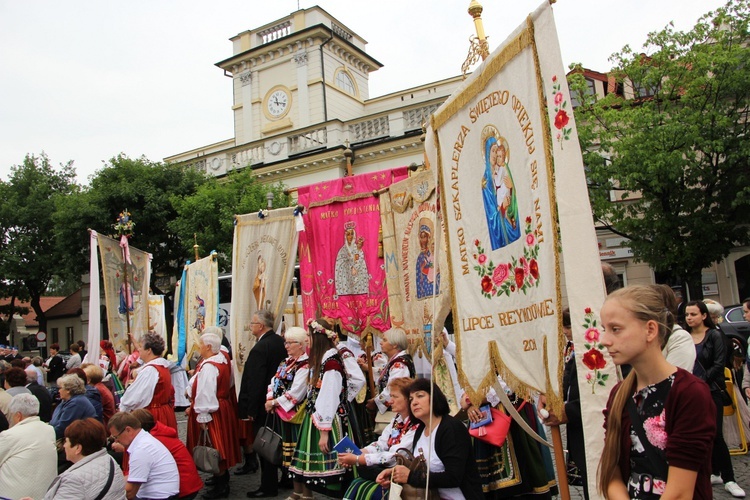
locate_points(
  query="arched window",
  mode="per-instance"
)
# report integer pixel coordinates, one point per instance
(345, 82)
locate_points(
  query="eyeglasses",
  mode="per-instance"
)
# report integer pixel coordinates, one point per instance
(116, 436)
(290, 342)
(256, 323)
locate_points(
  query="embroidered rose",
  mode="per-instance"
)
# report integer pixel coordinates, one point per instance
(528, 220)
(482, 259)
(534, 268)
(594, 359)
(476, 243)
(486, 284)
(592, 335)
(587, 310)
(561, 119)
(558, 98)
(519, 277)
(525, 264)
(500, 274)
(589, 376)
(554, 78)
(530, 239)
(655, 430)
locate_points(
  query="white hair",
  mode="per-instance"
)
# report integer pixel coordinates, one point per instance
(296, 334)
(25, 404)
(212, 340)
(31, 374)
(397, 337)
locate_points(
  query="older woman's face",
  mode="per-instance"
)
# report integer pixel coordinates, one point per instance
(294, 348)
(420, 404)
(204, 350)
(64, 393)
(399, 402)
(72, 453)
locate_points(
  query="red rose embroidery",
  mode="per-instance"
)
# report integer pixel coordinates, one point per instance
(561, 119)
(486, 284)
(519, 277)
(594, 360)
(500, 274)
(587, 310)
(534, 269)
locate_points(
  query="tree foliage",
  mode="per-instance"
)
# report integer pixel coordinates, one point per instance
(209, 213)
(673, 144)
(147, 190)
(30, 255)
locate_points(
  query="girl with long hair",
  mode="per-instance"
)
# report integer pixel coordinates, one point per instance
(658, 432)
(314, 465)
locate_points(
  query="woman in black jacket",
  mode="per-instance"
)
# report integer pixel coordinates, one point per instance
(710, 356)
(445, 443)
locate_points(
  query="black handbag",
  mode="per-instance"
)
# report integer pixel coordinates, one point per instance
(268, 444)
(205, 456)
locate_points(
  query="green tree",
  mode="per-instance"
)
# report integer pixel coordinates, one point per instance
(146, 189)
(31, 257)
(209, 213)
(672, 145)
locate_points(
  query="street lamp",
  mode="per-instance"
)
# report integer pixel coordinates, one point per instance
(269, 200)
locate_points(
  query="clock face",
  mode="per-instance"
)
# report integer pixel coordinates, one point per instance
(277, 103)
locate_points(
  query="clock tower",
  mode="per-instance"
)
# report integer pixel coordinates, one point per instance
(297, 72)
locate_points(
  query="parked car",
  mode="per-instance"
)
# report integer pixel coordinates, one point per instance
(734, 325)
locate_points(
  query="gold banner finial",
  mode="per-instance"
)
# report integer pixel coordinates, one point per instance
(478, 46)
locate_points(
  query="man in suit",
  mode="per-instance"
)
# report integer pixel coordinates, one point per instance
(41, 393)
(261, 364)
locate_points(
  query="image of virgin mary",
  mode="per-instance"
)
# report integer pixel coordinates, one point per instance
(499, 191)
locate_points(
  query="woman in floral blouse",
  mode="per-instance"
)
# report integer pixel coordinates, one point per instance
(399, 433)
(658, 431)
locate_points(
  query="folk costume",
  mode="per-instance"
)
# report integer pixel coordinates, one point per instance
(152, 390)
(400, 365)
(325, 411)
(355, 382)
(288, 390)
(211, 396)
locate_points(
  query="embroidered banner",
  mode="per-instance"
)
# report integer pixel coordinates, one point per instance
(156, 315)
(200, 302)
(342, 274)
(125, 291)
(416, 269)
(263, 258)
(500, 143)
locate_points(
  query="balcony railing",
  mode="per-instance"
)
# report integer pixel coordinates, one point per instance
(275, 32)
(414, 118)
(369, 129)
(305, 141)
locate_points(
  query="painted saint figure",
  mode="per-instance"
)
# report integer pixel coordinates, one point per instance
(351, 273)
(259, 284)
(428, 282)
(498, 191)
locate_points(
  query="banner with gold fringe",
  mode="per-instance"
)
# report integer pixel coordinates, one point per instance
(126, 287)
(416, 271)
(200, 301)
(263, 257)
(341, 266)
(513, 190)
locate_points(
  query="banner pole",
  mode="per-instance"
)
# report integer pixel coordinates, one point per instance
(562, 469)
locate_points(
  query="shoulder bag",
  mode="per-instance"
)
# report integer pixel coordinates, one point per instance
(418, 466)
(267, 444)
(495, 431)
(206, 457)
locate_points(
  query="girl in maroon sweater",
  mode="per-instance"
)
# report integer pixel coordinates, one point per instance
(669, 403)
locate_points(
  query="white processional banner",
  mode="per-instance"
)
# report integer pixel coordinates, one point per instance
(157, 315)
(263, 257)
(200, 302)
(508, 157)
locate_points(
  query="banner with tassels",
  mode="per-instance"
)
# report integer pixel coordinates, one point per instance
(199, 293)
(416, 270)
(341, 262)
(263, 258)
(126, 272)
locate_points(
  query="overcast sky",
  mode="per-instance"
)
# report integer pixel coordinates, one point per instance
(86, 80)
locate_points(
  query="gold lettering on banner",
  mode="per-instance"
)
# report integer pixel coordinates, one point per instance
(525, 122)
(526, 314)
(462, 251)
(488, 102)
(362, 209)
(538, 215)
(329, 214)
(458, 146)
(481, 322)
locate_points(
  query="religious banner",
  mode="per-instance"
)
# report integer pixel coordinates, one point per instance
(263, 259)
(156, 315)
(341, 264)
(415, 259)
(508, 157)
(126, 284)
(199, 296)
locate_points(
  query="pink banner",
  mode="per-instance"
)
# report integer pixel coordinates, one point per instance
(342, 274)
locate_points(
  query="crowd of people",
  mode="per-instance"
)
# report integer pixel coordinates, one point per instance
(105, 431)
